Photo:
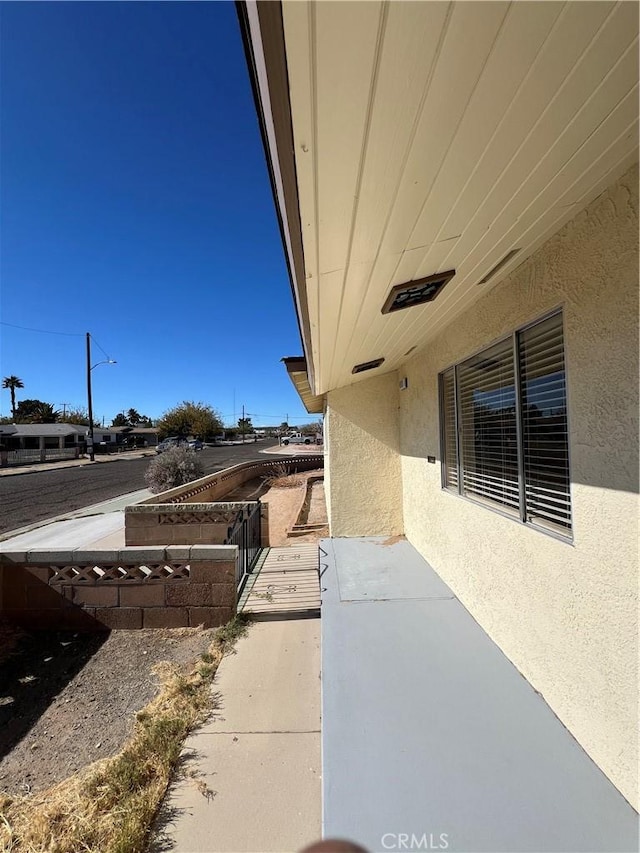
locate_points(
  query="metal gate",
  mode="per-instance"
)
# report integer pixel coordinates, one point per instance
(245, 533)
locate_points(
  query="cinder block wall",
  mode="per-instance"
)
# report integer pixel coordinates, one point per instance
(186, 524)
(214, 487)
(132, 588)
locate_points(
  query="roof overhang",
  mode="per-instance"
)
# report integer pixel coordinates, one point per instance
(299, 375)
(409, 139)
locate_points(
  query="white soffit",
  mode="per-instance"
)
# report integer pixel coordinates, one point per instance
(431, 136)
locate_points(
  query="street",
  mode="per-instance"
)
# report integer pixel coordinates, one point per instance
(29, 498)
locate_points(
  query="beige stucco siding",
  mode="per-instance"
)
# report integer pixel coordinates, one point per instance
(363, 462)
(564, 613)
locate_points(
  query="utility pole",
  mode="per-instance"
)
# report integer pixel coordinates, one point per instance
(243, 423)
(64, 408)
(89, 400)
(90, 406)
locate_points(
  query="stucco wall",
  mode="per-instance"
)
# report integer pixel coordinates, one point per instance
(363, 463)
(565, 614)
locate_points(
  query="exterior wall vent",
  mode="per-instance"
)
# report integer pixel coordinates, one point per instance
(367, 365)
(416, 292)
(499, 265)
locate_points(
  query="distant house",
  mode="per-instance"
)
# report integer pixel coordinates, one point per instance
(45, 436)
(457, 189)
(42, 436)
(138, 436)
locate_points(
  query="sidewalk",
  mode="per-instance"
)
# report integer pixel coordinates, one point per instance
(97, 526)
(296, 450)
(259, 756)
(75, 463)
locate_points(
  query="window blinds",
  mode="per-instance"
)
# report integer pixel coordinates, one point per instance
(504, 426)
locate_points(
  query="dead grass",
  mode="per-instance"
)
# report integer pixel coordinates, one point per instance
(110, 805)
(280, 477)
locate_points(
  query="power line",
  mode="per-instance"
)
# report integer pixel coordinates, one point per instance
(52, 332)
(99, 347)
(277, 417)
(43, 331)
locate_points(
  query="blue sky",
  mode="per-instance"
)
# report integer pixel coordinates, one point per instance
(136, 206)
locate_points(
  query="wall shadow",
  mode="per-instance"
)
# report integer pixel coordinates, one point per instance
(34, 667)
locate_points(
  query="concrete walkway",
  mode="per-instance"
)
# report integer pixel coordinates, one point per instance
(430, 732)
(258, 760)
(286, 585)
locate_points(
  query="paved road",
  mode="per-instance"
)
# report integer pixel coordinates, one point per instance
(30, 498)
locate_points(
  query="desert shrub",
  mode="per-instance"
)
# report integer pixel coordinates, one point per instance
(280, 477)
(174, 467)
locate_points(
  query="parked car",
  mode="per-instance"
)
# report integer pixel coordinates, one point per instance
(296, 438)
(171, 441)
(195, 444)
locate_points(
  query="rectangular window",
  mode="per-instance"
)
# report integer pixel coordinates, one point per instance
(504, 429)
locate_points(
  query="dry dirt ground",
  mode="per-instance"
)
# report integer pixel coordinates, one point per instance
(68, 699)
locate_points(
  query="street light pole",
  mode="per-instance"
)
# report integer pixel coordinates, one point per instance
(89, 399)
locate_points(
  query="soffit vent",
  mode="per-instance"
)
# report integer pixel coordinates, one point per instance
(367, 365)
(499, 265)
(416, 292)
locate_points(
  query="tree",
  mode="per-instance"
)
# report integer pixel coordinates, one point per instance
(36, 412)
(78, 415)
(132, 418)
(245, 426)
(314, 428)
(190, 418)
(12, 382)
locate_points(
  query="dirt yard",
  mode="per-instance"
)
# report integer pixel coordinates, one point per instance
(68, 699)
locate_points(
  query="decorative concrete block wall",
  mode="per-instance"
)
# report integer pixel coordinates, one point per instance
(186, 524)
(215, 487)
(132, 588)
(194, 513)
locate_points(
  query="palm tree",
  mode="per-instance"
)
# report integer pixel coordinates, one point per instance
(134, 417)
(12, 382)
(44, 413)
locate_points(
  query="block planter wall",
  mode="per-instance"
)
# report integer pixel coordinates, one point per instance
(171, 587)
(215, 487)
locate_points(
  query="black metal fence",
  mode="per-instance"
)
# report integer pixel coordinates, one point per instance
(245, 533)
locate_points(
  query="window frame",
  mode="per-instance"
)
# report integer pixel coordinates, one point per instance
(457, 490)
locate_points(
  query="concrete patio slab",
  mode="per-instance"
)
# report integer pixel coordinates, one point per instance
(261, 763)
(368, 571)
(429, 730)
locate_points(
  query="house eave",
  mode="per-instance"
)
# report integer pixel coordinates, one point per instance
(297, 369)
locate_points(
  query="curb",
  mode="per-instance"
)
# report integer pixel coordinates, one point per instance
(72, 463)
